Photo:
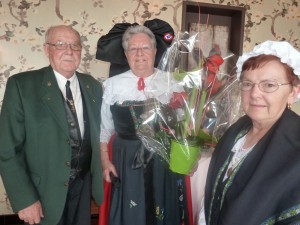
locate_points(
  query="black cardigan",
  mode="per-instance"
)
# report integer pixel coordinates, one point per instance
(266, 188)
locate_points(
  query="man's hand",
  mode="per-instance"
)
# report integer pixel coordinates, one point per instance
(32, 214)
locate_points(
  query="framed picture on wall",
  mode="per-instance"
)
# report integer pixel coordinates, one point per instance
(211, 39)
(218, 19)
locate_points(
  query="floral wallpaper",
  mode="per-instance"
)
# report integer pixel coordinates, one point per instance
(24, 22)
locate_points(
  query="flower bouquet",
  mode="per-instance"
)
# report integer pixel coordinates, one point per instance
(200, 102)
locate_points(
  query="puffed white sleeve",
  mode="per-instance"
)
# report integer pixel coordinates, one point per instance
(107, 125)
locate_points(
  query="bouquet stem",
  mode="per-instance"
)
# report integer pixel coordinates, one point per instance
(187, 129)
(200, 111)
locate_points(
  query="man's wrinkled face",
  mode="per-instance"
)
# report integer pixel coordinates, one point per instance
(64, 61)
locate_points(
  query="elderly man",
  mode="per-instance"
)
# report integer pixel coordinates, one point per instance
(49, 137)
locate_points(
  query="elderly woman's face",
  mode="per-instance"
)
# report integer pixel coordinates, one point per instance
(265, 107)
(141, 55)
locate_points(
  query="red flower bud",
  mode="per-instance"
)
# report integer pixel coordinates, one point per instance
(213, 83)
(178, 99)
(213, 63)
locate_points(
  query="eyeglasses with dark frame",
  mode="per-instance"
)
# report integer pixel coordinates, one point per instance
(63, 46)
(267, 86)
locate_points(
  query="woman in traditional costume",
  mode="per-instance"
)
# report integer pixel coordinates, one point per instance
(253, 176)
(144, 190)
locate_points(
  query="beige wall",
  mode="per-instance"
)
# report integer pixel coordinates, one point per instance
(23, 23)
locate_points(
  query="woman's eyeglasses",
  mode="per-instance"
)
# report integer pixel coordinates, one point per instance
(267, 86)
(134, 50)
(63, 46)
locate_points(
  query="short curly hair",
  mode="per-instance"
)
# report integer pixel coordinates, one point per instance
(137, 29)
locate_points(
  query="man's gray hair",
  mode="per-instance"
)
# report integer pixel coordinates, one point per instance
(51, 29)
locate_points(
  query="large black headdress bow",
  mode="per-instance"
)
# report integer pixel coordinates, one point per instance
(109, 46)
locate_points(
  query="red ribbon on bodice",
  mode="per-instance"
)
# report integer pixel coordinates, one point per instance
(141, 84)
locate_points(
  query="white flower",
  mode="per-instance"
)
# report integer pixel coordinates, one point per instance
(155, 6)
(293, 13)
(33, 1)
(257, 16)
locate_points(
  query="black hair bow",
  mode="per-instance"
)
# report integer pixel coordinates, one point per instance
(109, 46)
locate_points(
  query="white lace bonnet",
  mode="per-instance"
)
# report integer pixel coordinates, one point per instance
(282, 49)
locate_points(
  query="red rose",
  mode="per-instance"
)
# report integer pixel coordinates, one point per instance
(178, 100)
(213, 63)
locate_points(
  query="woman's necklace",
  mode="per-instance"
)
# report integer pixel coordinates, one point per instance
(233, 165)
(240, 154)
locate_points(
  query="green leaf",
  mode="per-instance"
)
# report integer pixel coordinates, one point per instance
(179, 75)
(206, 137)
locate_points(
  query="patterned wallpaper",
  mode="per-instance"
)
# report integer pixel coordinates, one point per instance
(23, 24)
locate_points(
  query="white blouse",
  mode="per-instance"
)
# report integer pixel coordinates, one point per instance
(124, 87)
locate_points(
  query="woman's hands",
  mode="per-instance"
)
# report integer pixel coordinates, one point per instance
(107, 166)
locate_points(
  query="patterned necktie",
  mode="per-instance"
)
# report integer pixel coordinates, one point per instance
(69, 98)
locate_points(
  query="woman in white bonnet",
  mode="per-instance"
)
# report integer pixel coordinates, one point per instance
(254, 174)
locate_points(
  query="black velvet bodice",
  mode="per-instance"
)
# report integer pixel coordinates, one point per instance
(126, 118)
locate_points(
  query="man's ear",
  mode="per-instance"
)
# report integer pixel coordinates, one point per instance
(46, 49)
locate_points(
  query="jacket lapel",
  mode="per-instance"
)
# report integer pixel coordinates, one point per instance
(90, 101)
(52, 97)
(86, 91)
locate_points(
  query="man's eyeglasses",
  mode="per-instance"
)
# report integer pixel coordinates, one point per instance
(267, 86)
(63, 46)
(134, 50)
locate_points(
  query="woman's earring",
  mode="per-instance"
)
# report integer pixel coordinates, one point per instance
(289, 105)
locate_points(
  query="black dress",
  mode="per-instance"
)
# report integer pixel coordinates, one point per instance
(149, 194)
